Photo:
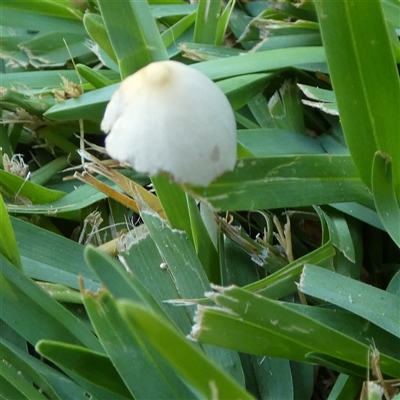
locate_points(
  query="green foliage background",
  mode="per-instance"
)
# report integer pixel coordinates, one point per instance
(281, 271)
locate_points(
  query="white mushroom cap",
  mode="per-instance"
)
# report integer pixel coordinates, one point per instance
(169, 117)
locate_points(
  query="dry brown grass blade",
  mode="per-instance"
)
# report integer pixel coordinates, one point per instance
(112, 193)
(131, 188)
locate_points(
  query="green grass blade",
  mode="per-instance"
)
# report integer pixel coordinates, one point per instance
(52, 383)
(83, 196)
(133, 33)
(240, 89)
(204, 246)
(206, 27)
(383, 189)
(35, 193)
(44, 81)
(262, 61)
(173, 201)
(360, 212)
(8, 244)
(180, 256)
(54, 49)
(286, 181)
(188, 276)
(41, 252)
(345, 387)
(48, 15)
(122, 346)
(365, 80)
(373, 304)
(94, 77)
(286, 109)
(193, 367)
(33, 305)
(89, 365)
(272, 142)
(145, 261)
(14, 386)
(173, 33)
(47, 7)
(13, 357)
(340, 234)
(43, 174)
(121, 284)
(283, 282)
(223, 21)
(247, 322)
(94, 25)
(92, 103)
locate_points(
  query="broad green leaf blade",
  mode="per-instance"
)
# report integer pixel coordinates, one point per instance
(33, 305)
(286, 109)
(148, 266)
(44, 81)
(375, 305)
(173, 201)
(118, 281)
(360, 212)
(13, 357)
(340, 234)
(33, 105)
(286, 181)
(204, 52)
(240, 89)
(54, 49)
(180, 256)
(223, 21)
(318, 94)
(274, 377)
(94, 77)
(206, 27)
(365, 80)
(43, 174)
(82, 196)
(47, 7)
(89, 365)
(14, 386)
(273, 142)
(49, 257)
(202, 376)
(122, 346)
(383, 189)
(345, 387)
(35, 193)
(303, 376)
(189, 278)
(133, 33)
(48, 15)
(247, 322)
(173, 33)
(262, 61)
(54, 384)
(92, 103)
(283, 282)
(204, 246)
(237, 268)
(94, 25)
(8, 244)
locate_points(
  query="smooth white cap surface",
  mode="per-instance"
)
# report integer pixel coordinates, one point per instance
(169, 117)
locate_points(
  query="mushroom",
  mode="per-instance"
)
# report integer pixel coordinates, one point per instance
(170, 118)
